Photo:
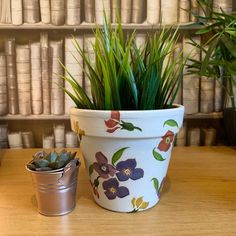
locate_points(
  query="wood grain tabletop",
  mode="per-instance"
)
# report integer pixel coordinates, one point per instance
(199, 199)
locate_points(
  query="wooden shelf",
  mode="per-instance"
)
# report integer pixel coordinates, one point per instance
(214, 115)
(89, 26)
(34, 117)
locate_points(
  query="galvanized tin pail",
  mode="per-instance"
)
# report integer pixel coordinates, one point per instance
(56, 190)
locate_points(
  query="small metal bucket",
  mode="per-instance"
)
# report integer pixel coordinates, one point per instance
(56, 190)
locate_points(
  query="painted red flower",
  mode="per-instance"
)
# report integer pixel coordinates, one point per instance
(114, 122)
(166, 142)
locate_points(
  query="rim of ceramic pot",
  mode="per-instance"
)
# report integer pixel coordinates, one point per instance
(127, 114)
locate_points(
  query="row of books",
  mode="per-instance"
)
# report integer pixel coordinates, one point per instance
(195, 136)
(60, 138)
(70, 12)
(30, 76)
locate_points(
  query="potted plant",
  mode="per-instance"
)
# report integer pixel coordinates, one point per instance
(55, 180)
(219, 61)
(129, 124)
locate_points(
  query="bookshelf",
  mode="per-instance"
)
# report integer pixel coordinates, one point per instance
(90, 26)
(32, 30)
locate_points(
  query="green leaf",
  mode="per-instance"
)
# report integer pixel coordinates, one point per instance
(229, 44)
(53, 156)
(155, 183)
(204, 30)
(157, 155)
(91, 168)
(171, 123)
(116, 157)
(41, 163)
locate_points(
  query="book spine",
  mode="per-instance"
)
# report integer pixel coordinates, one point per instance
(3, 136)
(28, 139)
(23, 78)
(46, 88)
(31, 11)
(194, 10)
(100, 7)
(16, 11)
(71, 140)
(3, 85)
(36, 78)
(58, 12)
(89, 9)
(153, 11)
(59, 135)
(184, 11)
(140, 40)
(181, 136)
(218, 96)
(207, 95)
(178, 56)
(55, 71)
(138, 10)
(169, 11)
(10, 52)
(209, 137)
(45, 11)
(126, 11)
(191, 82)
(5, 12)
(74, 65)
(225, 5)
(15, 140)
(73, 16)
(194, 137)
(115, 8)
(48, 141)
(89, 41)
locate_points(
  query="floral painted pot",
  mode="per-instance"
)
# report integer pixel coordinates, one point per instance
(127, 154)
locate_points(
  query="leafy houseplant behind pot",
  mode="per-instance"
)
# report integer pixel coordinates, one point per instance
(55, 180)
(129, 124)
(220, 59)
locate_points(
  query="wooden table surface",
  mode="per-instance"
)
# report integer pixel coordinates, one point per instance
(198, 199)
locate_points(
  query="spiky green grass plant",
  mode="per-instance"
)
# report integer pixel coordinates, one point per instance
(126, 77)
(219, 50)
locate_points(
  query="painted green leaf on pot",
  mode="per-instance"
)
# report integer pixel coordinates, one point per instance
(116, 157)
(157, 155)
(171, 123)
(129, 126)
(91, 168)
(155, 183)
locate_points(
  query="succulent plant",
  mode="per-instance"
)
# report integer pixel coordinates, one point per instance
(43, 161)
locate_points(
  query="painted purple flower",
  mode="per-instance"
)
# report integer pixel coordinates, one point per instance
(127, 170)
(112, 189)
(102, 167)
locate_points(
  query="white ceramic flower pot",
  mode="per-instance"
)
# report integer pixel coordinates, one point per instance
(127, 154)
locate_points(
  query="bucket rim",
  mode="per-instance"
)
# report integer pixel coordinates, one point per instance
(51, 172)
